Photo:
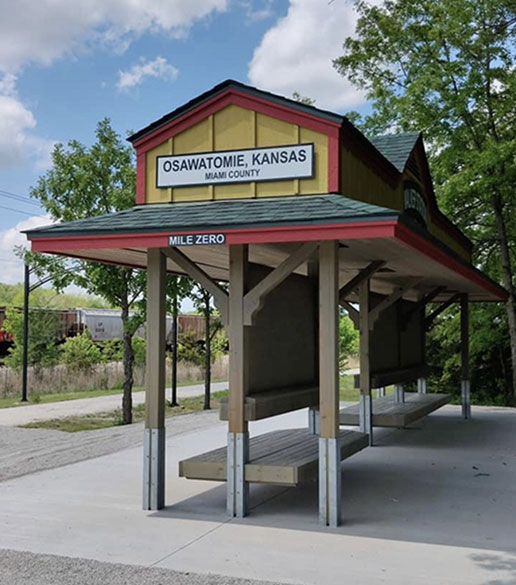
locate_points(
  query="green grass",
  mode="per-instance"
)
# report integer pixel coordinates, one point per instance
(64, 396)
(103, 420)
(90, 422)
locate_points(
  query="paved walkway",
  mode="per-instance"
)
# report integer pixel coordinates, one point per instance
(431, 504)
(22, 415)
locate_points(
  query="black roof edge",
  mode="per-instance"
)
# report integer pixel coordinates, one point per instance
(231, 83)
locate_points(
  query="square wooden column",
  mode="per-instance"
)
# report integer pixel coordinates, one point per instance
(154, 434)
(366, 405)
(238, 435)
(329, 447)
(464, 337)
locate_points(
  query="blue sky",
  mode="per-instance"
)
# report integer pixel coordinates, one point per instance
(66, 65)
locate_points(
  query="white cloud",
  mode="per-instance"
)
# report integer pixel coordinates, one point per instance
(296, 54)
(17, 144)
(43, 31)
(40, 32)
(12, 266)
(159, 68)
(258, 11)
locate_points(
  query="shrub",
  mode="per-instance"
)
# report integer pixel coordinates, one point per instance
(80, 353)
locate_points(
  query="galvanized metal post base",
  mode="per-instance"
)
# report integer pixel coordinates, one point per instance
(154, 469)
(465, 387)
(422, 387)
(366, 416)
(380, 392)
(329, 482)
(314, 427)
(237, 487)
(399, 394)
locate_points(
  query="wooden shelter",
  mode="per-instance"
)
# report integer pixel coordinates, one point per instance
(300, 213)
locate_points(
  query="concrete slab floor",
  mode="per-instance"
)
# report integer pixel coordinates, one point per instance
(435, 503)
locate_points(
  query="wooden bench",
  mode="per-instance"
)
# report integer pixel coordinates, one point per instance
(387, 413)
(272, 402)
(285, 457)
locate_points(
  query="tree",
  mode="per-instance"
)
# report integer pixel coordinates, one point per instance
(348, 339)
(82, 183)
(448, 68)
(43, 334)
(178, 288)
(202, 299)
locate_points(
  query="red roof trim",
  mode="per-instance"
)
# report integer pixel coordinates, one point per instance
(301, 233)
(421, 244)
(228, 97)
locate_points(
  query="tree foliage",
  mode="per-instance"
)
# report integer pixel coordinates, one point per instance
(448, 69)
(43, 333)
(84, 182)
(81, 353)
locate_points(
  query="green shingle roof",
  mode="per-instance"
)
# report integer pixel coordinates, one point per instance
(220, 215)
(396, 148)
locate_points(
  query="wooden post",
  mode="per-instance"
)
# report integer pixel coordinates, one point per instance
(380, 392)
(238, 435)
(329, 448)
(154, 437)
(464, 335)
(366, 414)
(313, 275)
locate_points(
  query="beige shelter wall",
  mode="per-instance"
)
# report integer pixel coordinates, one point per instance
(233, 128)
(282, 341)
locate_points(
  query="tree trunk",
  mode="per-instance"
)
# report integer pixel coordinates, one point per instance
(207, 352)
(507, 282)
(128, 362)
(173, 400)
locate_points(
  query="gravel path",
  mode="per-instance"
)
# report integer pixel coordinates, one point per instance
(24, 451)
(23, 568)
(22, 415)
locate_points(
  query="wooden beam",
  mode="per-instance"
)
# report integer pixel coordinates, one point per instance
(238, 259)
(220, 296)
(364, 274)
(431, 318)
(354, 314)
(428, 298)
(391, 299)
(254, 298)
(328, 340)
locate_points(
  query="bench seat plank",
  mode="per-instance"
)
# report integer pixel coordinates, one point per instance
(286, 457)
(387, 413)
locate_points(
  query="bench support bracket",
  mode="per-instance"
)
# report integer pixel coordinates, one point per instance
(329, 482)
(237, 488)
(464, 334)
(399, 394)
(422, 386)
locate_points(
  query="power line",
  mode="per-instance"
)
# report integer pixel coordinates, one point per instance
(17, 198)
(23, 197)
(16, 210)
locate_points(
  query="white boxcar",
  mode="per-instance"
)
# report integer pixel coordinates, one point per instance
(106, 324)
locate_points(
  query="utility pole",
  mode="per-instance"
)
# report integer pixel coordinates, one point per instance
(26, 291)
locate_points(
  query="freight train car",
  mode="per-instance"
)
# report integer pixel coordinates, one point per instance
(103, 325)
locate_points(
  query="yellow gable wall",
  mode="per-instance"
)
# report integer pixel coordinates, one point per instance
(360, 181)
(233, 128)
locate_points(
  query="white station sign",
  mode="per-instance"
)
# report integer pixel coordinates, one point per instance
(236, 166)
